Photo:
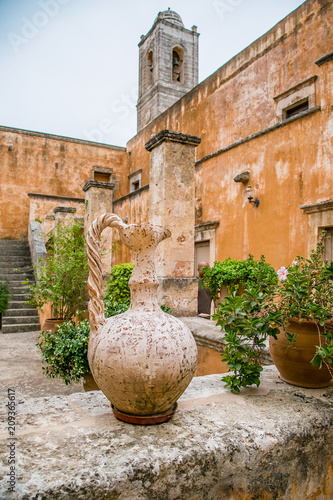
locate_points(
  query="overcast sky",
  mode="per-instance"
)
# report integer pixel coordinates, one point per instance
(70, 67)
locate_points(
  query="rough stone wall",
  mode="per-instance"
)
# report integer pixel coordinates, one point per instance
(134, 208)
(41, 163)
(41, 208)
(289, 165)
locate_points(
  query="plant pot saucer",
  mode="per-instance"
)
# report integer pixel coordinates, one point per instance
(145, 419)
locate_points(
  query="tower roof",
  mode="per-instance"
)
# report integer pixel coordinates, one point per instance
(171, 16)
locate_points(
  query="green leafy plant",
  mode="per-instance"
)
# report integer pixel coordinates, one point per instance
(118, 297)
(234, 273)
(65, 351)
(4, 296)
(166, 309)
(304, 292)
(247, 321)
(63, 278)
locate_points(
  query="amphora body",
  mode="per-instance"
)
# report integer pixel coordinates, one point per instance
(143, 359)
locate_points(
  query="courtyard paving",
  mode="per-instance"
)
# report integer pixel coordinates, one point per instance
(21, 369)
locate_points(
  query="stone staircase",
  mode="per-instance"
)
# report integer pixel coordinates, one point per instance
(19, 317)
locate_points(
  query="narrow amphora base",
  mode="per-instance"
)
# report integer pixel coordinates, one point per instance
(145, 419)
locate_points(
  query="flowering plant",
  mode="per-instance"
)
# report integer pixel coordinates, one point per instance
(305, 289)
(304, 292)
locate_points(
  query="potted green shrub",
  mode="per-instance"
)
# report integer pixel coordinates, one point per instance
(302, 300)
(65, 351)
(62, 281)
(232, 275)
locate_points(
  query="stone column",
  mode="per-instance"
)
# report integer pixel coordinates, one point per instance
(64, 214)
(171, 204)
(99, 200)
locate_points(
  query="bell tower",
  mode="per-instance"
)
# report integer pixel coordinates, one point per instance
(168, 65)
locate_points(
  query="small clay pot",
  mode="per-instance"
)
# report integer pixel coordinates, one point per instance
(89, 383)
(52, 324)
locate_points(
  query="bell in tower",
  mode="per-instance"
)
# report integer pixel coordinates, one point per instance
(168, 65)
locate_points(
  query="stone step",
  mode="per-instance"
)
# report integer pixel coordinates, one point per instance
(20, 289)
(20, 320)
(14, 243)
(15, 304)
(4, 271)
(17, 280)
(20, 312)
(20, 328)
(19, 297)
(14, 251)
(15, 261)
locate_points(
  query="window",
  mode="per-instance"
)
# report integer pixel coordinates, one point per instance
(135, 180)
(296, 99)
(328, 255)
(101, 174)
(150, 68)
(295, 109)
(177, 65)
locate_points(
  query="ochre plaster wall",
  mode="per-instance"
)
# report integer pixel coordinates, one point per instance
(40, 163)
(289, 166)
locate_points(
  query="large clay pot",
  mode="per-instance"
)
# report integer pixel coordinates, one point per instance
(294, 360)
(143, 359)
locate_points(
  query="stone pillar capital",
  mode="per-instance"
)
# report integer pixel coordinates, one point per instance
(97, 184)
(170, 136)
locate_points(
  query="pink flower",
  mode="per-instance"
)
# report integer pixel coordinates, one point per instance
(282, 273)
(294, 262)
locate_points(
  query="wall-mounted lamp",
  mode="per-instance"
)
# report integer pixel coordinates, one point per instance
(254, 201)
(10, 146)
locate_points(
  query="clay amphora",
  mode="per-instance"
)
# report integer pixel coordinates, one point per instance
(142, 359)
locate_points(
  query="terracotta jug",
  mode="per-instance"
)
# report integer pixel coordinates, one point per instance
(142, 359)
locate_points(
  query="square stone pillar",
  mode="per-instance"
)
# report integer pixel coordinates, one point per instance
(98, 201)
(64, 214)
(171, 204)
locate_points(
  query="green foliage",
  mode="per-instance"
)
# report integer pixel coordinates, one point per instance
(234, 273)
(63, 278)
(307, 294)
(304, 292)
(65, 351)
(247, 321)
(166, 309)
(4, 296)
(118, 297)
(118, 289)
(112, 308)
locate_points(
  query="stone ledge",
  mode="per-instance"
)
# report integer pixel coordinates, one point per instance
(98, 184)
(207, 334)
(271, 442)
(170, 136)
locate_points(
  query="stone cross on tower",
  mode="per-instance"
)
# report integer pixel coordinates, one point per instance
(168, 65)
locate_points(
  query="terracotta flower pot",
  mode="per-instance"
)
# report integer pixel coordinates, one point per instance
(89, 383)
(52, 324)
(294, 360)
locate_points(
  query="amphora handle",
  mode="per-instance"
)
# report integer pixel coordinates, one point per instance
(95, 280)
